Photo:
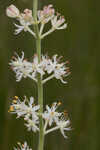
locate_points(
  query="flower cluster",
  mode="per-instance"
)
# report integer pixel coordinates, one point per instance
(25, 19)
(43, 16)
(52, 67)
(52, 116)
(28, 110)
(22, 146)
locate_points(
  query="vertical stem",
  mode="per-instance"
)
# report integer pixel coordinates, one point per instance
(40, 86)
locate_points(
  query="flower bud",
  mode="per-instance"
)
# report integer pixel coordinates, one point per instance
(12, 11)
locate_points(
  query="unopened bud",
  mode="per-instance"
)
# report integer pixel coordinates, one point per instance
(12, 11)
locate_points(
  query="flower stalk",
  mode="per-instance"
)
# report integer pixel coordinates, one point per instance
(39, 83)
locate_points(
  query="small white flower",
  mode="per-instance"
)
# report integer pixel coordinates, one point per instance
(28, 111)
(52, 67)
(51, 64)
(12, 11)
(23, 146)
(21, 67)
(63, 126)
(25, 109)
(32, 124)
(38, 67)
(51, 115)
(25, 19)
(58, 70)
(20, 28)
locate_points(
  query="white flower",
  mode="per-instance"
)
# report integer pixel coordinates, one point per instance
(38, 67)
(23, 146)
(51, 64)
(25, 19)
(52, 67)
(63, 126)
(61, 123)
(12, 11)
(24, 25)
(25, 108)
(32, 124)
(57, 23)
(28, 111)
(51, 115)
(21, 67)
(58, 70)
(20, 28)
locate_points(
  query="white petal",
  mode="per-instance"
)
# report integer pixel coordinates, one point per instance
(31, 101)
(62, 27)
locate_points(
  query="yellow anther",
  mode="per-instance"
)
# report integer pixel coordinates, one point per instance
(11, 108)
(14, 101)
(16, 97)
(52, 113)
(59, 103)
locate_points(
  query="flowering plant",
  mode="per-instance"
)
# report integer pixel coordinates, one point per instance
(41, 69)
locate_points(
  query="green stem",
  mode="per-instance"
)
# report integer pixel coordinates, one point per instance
(40, 85)
(40, 99)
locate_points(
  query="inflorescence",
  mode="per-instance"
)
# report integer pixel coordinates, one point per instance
(26, 19)
(48, 68)
(30, 113)
(52, 67)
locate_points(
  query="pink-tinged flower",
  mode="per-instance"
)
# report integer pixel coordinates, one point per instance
(46, 14)
(58, 22)
(25, 19)
(12, 11)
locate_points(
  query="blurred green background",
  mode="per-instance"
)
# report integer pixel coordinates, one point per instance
(80, 44)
